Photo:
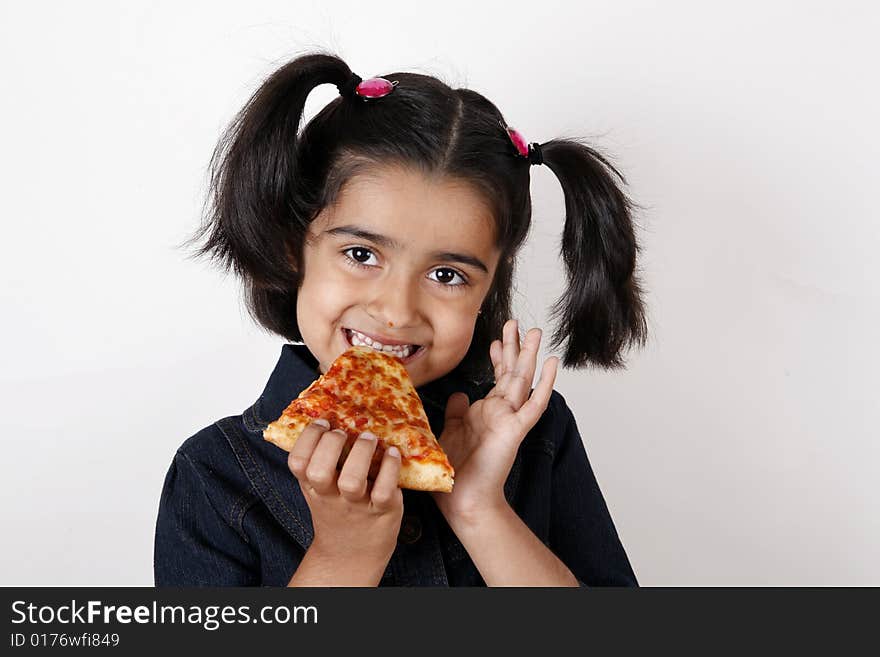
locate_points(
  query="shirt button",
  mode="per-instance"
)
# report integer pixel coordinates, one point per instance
(410, 529)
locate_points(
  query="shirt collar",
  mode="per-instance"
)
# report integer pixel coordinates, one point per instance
(297, 369)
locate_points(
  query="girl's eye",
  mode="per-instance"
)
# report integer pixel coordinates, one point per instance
(357, 258)
(359, 253)
(450, 275)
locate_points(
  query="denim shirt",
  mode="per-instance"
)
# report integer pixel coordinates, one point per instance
(232, 514)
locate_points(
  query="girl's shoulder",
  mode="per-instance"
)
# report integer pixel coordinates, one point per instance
(208, 462)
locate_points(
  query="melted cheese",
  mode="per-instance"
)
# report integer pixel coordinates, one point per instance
(369, 390)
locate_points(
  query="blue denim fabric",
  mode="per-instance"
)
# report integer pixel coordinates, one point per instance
(231, 513)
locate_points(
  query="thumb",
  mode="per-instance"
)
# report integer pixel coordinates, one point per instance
(456, 407)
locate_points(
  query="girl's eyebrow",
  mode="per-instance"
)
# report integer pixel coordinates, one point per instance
(390, 243)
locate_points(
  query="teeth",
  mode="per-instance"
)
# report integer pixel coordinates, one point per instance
(401, 351)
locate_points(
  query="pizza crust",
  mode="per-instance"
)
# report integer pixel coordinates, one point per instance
(427, 475)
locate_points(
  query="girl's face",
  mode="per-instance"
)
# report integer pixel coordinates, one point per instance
(403, 258)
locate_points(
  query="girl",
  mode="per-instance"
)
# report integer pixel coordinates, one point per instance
(394, 218)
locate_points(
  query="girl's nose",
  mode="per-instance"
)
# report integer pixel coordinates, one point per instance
(394, 303)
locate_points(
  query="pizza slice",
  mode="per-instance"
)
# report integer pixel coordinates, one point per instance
(369, 390)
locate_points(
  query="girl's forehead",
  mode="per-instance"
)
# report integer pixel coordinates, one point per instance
(407, 210)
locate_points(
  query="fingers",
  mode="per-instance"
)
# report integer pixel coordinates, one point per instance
(504, 352)
(510, 348)
(386, 493)
(524, 370)
(531, 411)
(352, 481)
(314, 457)
(515, 366)
(321, 471)
(301, 453)
(456, 408)
(495, 356)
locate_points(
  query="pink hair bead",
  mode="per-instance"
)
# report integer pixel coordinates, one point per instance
(374, 88)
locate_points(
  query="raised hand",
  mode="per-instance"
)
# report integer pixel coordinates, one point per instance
(481, 439)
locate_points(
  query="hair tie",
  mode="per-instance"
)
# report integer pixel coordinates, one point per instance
(532, 152)
(365, 89)
(347, 88)
(535, 154)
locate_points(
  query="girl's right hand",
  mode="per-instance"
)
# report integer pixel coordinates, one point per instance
(353, 518)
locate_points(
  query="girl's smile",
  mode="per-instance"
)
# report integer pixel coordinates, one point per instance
(406, 352)
(404, 261)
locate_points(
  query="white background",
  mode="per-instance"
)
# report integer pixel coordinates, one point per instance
(739, 448)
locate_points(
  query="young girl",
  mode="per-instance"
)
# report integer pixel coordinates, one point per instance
(394, 218)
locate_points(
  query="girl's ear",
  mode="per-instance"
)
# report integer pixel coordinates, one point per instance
(601, 311)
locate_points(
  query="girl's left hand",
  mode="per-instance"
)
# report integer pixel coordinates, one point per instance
(481, 439)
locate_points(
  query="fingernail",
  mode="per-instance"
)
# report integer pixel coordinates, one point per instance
(340, 431)
(394, 452)
(324, 423)
(366, 435)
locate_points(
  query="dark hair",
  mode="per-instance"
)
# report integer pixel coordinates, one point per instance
(268, 183)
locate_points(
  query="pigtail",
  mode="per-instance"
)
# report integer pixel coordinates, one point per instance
(252, 200)
(601, 311)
